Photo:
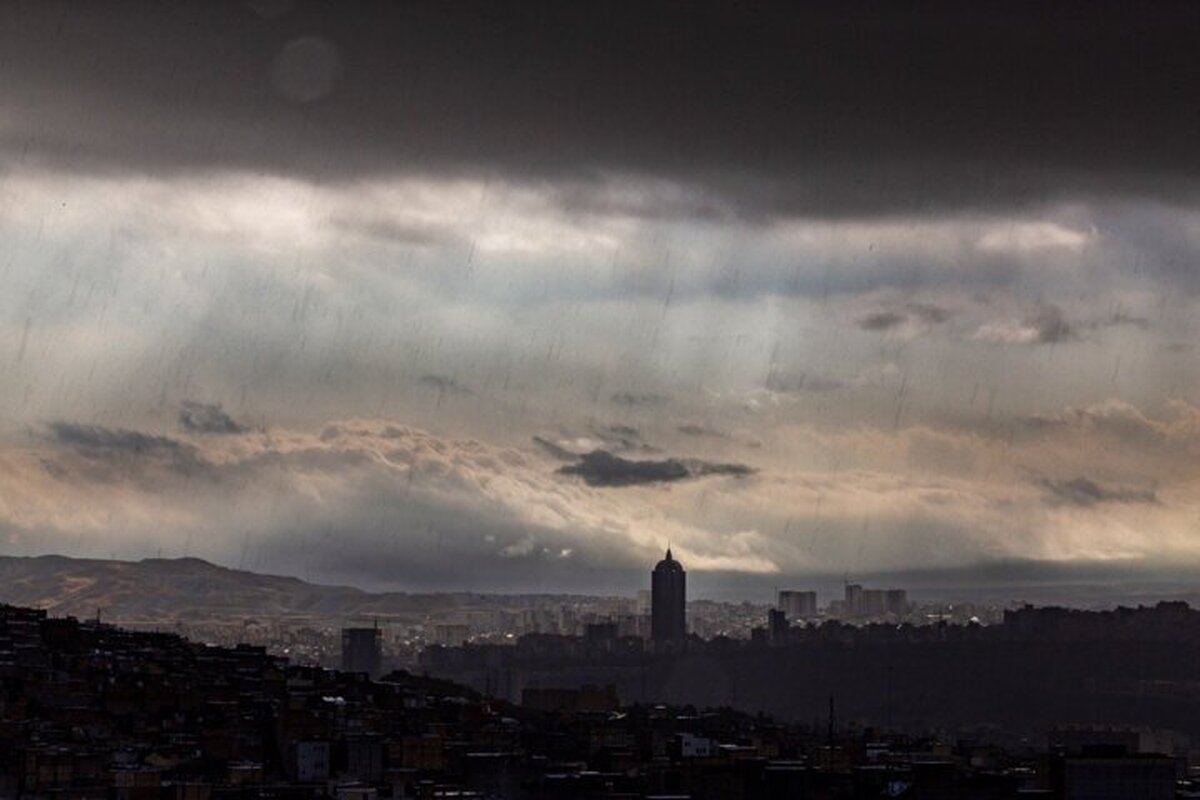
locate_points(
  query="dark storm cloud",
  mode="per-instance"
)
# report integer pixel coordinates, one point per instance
(833, 108)
(881, 321)
(1085, 492)
(207, 418)
(118, 453)
(601, 468)
(887, 319)
(930, 313)
(96, 438)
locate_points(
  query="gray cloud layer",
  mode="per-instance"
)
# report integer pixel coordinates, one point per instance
(830, 109)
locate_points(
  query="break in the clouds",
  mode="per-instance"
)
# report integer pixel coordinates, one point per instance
(422, 293)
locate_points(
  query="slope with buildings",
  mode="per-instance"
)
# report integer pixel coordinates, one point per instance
(90, 711)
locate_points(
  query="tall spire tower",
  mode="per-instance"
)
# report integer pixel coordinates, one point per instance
(668, 602)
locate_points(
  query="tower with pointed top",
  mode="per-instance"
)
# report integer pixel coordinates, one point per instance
(668, 602)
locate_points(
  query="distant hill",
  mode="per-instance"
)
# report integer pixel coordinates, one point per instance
(194, 590)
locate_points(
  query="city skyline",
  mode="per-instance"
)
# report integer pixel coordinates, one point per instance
(470, 298)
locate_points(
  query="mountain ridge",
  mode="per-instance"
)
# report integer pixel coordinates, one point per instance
(190, 589)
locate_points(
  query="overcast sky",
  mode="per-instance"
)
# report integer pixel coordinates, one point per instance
(463, 295)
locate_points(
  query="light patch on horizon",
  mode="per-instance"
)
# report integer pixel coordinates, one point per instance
(1028, 237)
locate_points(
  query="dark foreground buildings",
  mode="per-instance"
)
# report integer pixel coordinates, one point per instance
(1039, 669)
(92, 712)
(362, 650)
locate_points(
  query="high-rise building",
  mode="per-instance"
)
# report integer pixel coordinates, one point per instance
(873, 603)
(897, 601)
(777, 626)
(863, 603)
(854, 598)
(362, 650)
(797, 605)
(668, 601)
